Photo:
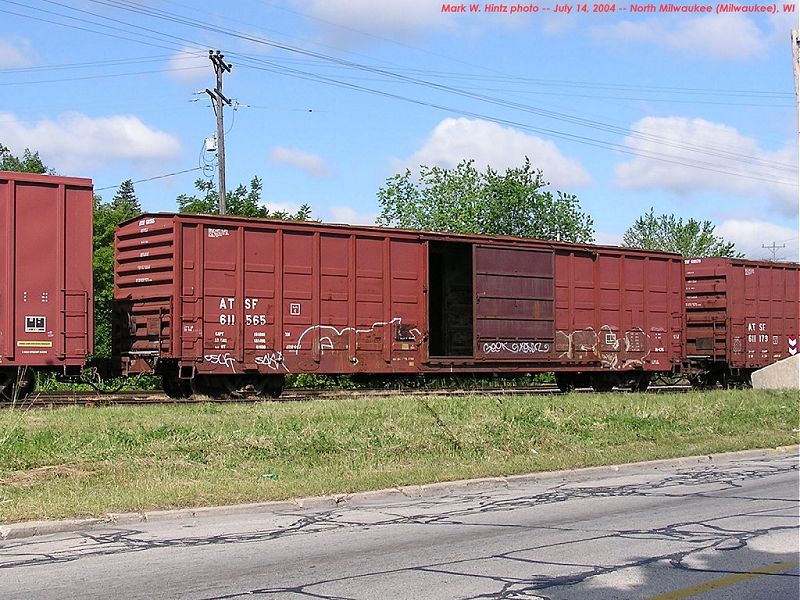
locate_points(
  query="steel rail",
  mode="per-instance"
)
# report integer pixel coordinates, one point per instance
(94, 399)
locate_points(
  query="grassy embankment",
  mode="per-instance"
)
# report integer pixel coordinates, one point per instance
(71, 462)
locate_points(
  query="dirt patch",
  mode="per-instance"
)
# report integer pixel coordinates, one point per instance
(31, 477)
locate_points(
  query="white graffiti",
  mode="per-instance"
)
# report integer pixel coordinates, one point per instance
(516, 347)
(326, 341)
(272, 361)
(217, 233)
(584, 343)
(225, 359)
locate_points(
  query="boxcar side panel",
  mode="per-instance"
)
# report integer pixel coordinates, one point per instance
(618, 311)
(762, 311)
(257, 297)
(743, 314)
(351, 303)
(261, 342)
(266, 297)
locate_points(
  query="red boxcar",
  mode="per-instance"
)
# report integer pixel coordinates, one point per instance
(741, 315)
(46, 306)
(230, 304)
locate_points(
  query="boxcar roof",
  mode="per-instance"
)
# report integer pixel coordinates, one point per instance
(47, 179)
(378, 230)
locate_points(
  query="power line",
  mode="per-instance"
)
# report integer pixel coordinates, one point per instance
(104, 76)
(722, 153)
(516, 124)
(89, 64)
(655, 155)
(136, 39)
(463, 77)
(111, 187)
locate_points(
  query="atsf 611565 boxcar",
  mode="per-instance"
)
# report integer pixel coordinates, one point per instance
(221, 304)
(741, 315)
(46, 306)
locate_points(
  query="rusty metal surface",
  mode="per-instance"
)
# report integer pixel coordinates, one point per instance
(232, 296)
(619, 308)
(515, 303)
(48, 400)
(46, 294)
(741, 312)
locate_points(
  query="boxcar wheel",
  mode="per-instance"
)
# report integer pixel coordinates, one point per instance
(19, 387)
(641, 382)
(273, 387)
(565, 382)
(704, 380)
(602, 382)
(176, 388)
(211, 386)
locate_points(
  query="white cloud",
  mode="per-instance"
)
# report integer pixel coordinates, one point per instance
(749, 236)
(781, 25)
(16, 52)
(490, 144)
(308, 163)
(287, 207)
(190, 66)
(341, 20)
(351, 216)
(75, 141)
(727, 36)
(730, 161)
(607, 239)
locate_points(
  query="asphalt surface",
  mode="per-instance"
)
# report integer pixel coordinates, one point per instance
(711, 528)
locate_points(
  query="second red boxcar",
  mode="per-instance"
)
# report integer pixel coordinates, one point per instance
(741, 315)
(221, 304)
(46, 306)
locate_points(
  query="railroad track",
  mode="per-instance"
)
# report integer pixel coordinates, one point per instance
(91, 399)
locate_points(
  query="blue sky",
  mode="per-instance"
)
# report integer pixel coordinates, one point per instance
(692, 114)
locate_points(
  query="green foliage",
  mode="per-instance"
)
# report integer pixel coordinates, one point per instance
(416, 381)
(49, 382)
(107, 215)
(464, 200)
(671, 234)
(242, 202)
(29, 163)
(125, 200)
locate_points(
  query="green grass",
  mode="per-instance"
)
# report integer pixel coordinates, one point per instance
(75, 461)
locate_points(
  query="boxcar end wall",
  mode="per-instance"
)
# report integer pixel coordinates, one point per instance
(46, 291)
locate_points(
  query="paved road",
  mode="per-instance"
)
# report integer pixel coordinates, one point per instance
(721, 528)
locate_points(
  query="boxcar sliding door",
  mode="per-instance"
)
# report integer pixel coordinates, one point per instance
(514, 303)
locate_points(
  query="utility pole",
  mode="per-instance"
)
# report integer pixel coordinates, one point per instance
(774, 249)
(796, 69)
(218, 101)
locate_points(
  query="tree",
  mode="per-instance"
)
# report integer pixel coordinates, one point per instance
(671, 234)
(464, 200)
(107, 215)
(242, 201)
(125, 200)
(29, 163)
